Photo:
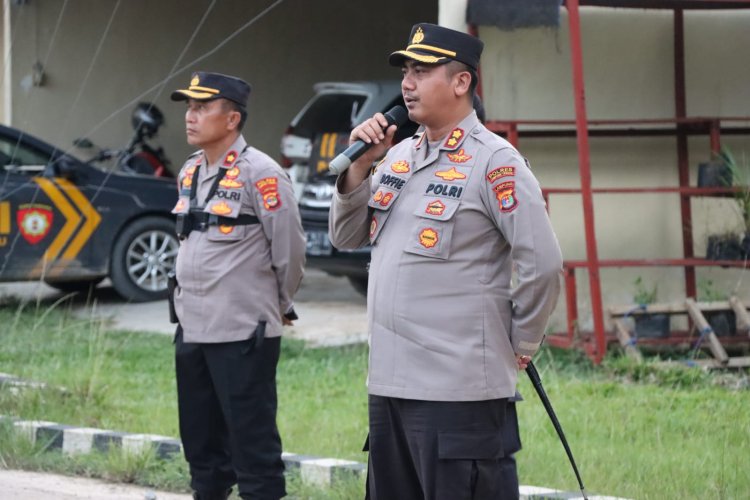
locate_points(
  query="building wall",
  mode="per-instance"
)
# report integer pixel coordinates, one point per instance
(93, 81)
(629, 72)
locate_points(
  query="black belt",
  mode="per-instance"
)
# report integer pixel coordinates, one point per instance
(202, 220)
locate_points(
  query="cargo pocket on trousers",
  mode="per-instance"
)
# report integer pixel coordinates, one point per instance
(472, 462)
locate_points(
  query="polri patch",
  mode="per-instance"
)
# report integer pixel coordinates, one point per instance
(267, 185)
(500, 172)
(271, 201)
(428, 237)
(34, 222)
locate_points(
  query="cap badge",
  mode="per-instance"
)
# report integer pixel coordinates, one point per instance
(195, 81)
(418, 36)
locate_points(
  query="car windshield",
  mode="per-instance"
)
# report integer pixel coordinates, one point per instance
(330, 113)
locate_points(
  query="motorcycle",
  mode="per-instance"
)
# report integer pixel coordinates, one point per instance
(139, 156)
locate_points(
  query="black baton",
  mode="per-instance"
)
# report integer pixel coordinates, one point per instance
(536, 381)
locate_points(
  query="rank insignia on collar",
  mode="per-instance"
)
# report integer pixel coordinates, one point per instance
(450, 175)
(400, 167)
(428, 237)
(230, 183)
(419, 141)
(459, 157)
(221, 208)
(454, 137)
(373, 226)
(232, 173)
(230, 158)
(500, 172)
(435, 207)
(506, 196)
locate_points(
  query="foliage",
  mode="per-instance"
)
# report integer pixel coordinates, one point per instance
(740, 174)
(707, 292)
(643, 294)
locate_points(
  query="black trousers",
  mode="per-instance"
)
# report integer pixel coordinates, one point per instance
(433, 450)
(227, 406)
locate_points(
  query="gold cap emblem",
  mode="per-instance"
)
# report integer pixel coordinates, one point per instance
(418, 36)
(195, 81)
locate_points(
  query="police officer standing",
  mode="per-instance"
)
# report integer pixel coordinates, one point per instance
(449, 213)
(240, 262)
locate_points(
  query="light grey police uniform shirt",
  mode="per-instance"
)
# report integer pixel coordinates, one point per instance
(232, 277)
(446, 228)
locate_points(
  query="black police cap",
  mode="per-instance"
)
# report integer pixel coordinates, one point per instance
(433, 44)
(207, 86)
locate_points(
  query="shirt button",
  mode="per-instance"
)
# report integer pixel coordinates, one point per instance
(476, 131)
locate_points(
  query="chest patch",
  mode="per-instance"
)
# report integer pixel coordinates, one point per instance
(435, 207)
(459, 157)
(444, 189)
(392, 181)
(400, 167)
(450, 175)
(428, 237)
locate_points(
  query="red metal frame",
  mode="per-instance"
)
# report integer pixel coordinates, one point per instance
(595, 343)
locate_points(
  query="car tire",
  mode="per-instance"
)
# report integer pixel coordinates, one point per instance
(83, 286)
(359, 283)
(142, 256)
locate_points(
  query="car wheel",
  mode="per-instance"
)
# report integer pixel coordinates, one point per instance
(359, 283)
(142, 257)
(75, 286)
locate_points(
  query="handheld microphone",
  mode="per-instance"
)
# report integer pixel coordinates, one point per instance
(397, 115)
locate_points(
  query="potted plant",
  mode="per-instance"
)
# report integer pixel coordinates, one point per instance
(723, 323)
(648, 325)
(730, 246)
(740, 172)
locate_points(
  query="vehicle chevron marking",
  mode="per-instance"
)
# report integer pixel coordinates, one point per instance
(4, 217)
(89, 212)
(72, 220)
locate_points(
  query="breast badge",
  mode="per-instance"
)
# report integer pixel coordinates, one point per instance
(459, 157)
(232, 173)
(500, 172)
(450, 175)
(506, 196)
(180, 206)
(221, 208)
(231, 183)
(226, 229)
(435, 207)
(400, 167)
(428, 238)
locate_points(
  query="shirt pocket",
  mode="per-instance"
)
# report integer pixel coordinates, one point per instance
(433, 230)
(227, 234)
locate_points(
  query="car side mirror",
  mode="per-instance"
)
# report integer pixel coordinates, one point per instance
(62, 166)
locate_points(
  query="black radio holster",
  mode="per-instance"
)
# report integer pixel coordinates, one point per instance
(171, 287)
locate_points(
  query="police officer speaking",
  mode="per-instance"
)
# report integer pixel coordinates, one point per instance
(240, 262)
(449, 213)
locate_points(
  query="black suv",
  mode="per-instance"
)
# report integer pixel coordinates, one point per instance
(316, 135)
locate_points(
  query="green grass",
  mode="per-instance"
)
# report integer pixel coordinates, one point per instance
(638, 431)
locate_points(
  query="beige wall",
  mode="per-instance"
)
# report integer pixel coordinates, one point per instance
(628, 64)
(282, 55)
